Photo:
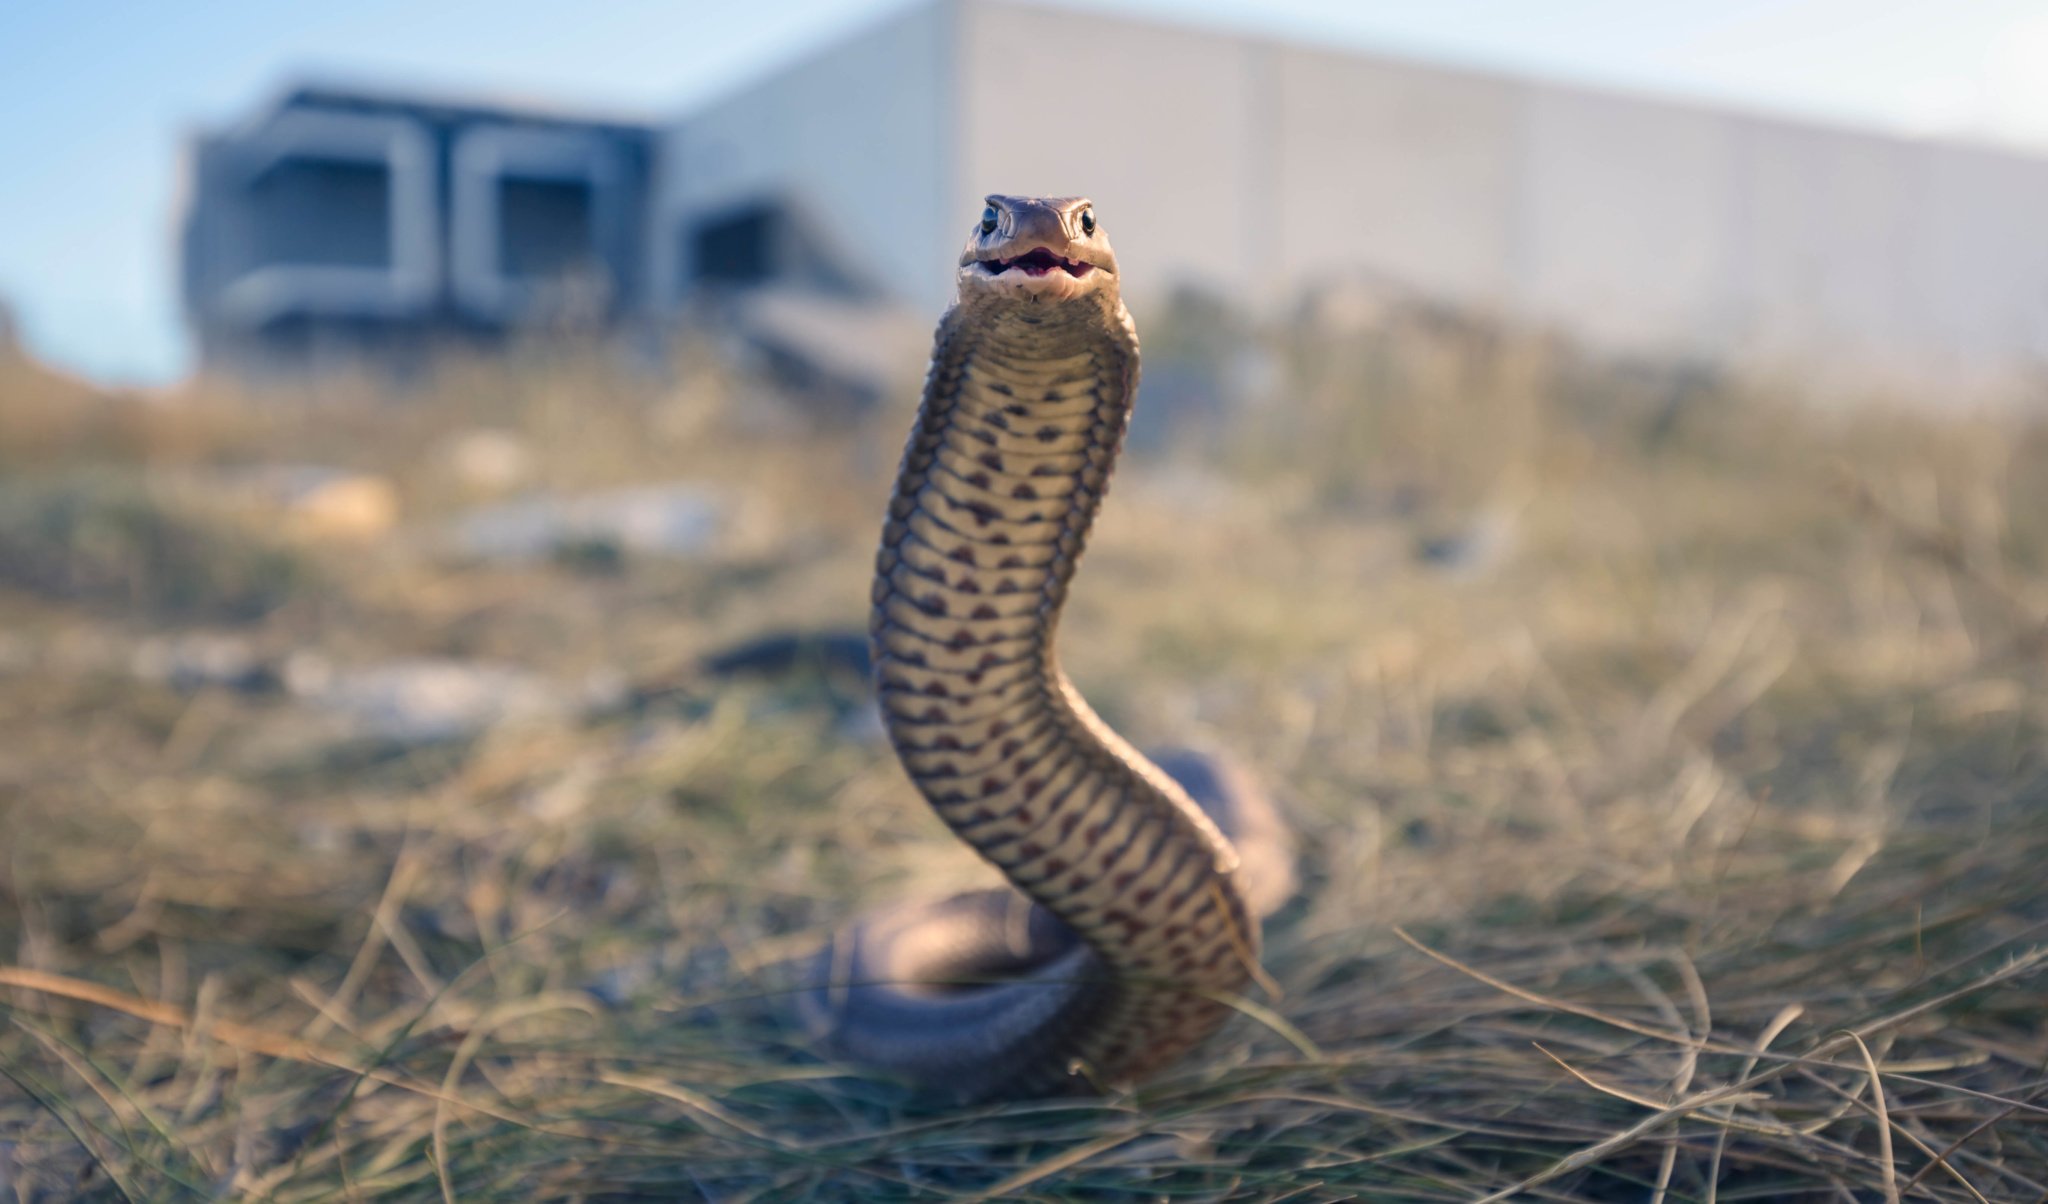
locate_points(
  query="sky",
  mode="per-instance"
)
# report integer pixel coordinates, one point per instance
(97, 95)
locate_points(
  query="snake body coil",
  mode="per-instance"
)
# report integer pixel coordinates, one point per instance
(1138, 916)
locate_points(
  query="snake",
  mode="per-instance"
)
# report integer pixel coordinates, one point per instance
(1131, 924)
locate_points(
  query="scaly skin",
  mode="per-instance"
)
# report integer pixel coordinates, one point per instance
(1024, 410)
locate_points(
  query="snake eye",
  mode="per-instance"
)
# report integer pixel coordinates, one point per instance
(988, 220)
(1088, 221)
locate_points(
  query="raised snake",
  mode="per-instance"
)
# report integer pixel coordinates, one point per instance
(1138, 884)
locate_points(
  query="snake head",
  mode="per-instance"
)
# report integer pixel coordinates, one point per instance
(1041, 249)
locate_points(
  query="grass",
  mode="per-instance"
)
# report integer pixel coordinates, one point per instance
(1669, 756)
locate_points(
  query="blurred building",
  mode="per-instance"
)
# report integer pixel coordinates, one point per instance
(1264, 172)
(338, 226)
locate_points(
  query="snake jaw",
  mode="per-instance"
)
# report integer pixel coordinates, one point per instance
(1038, 261)
(1038, 275)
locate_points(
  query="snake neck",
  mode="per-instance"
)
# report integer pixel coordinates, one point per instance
(1024, 412)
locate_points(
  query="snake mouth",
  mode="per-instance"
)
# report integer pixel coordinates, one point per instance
(1037, 262)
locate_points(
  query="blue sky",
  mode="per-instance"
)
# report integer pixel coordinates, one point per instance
(95, 95)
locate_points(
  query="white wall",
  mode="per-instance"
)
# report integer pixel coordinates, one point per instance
(1827, 223)
(1257, 169)
(1642, 225)
(1160, 126)
(1622, 217)
(1403, 170)
(858, 135)
(1983, 267)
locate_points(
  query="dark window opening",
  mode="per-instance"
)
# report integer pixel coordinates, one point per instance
(322, 213)
(736, 249)
(546, 228)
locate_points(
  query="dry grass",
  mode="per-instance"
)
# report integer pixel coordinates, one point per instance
(1688, 845)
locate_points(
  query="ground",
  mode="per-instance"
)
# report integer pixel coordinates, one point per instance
(1668, 752)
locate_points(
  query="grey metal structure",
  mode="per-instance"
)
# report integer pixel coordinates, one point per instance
(340, 227)
(1261, 170)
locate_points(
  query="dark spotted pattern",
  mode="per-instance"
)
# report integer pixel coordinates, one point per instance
(987, 523)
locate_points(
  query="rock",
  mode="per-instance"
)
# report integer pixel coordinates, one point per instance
(353, 508)
(781, 652)
(489, 460)
(204, 661)
(659, 520)
(417, 702)
(321, 502)
(1484, 544)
